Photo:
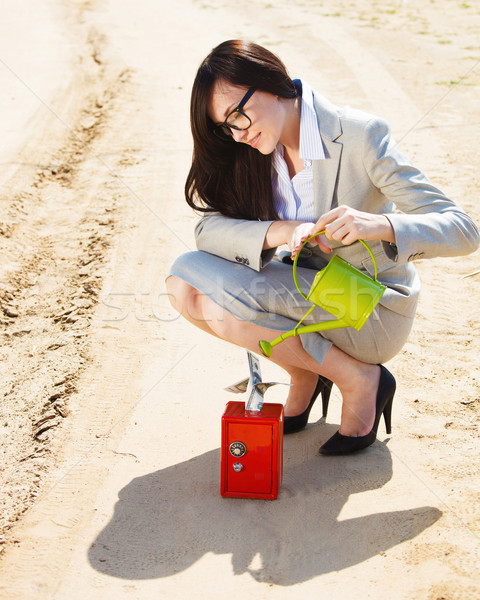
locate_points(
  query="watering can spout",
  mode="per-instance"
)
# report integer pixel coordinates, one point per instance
(267, 347)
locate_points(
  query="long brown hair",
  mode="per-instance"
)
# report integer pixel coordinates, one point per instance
(225, 176)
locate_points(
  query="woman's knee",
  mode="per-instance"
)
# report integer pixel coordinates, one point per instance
(179, 292)
(188, 301)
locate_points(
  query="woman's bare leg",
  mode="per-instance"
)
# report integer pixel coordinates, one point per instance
(356, 380)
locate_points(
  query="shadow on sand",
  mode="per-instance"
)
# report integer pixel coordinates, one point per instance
(167, 520)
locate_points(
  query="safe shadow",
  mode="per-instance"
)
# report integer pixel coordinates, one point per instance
(167, 520)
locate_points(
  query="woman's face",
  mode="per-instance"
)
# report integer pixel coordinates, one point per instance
(266, 111)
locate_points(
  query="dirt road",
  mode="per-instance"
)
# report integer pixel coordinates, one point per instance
(110, 417)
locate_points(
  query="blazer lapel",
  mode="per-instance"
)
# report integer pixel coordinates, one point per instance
(325, 171)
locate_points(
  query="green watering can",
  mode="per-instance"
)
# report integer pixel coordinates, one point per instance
(342, 290)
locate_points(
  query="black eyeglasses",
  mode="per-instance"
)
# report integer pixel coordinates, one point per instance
(237, 119)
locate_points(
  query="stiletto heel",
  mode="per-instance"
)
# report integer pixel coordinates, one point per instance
(298, 422)
(345, 444)
(387, 416)
(327, 390)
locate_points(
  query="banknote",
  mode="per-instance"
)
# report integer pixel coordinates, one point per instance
(253, 385)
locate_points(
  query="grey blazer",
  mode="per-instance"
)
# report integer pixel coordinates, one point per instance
(363, 169)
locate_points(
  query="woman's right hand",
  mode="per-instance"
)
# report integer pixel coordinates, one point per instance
(293, 234)
(300, 233)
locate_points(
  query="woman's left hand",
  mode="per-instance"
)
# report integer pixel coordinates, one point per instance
(347, 225)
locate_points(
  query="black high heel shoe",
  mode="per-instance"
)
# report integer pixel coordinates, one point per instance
(298, 422)
(344, 444)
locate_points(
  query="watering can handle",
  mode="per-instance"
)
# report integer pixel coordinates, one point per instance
(314, 236)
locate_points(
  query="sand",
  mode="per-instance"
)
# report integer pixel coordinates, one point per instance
(111, 404)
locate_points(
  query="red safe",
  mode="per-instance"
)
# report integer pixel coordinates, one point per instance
(252, 451)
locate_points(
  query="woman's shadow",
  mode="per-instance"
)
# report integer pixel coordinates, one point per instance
(167, 520)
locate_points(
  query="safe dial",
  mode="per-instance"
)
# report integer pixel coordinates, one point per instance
(237, 449)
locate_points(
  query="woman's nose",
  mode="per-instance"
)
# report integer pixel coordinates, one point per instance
(239, 135)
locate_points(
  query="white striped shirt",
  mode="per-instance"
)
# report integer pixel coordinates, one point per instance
(294, 197)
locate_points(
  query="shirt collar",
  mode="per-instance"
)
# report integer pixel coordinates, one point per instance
(311, 147)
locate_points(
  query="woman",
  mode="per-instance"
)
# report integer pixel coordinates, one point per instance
(273, 163)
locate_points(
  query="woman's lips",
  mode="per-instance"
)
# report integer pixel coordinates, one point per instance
(253, 143)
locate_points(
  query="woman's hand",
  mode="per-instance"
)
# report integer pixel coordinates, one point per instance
(347, 225)
(300, 234)
(293, 234)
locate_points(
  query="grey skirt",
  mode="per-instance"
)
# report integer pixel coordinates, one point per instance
(270, 299)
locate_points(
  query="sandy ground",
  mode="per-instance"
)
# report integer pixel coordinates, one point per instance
(111, 406)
